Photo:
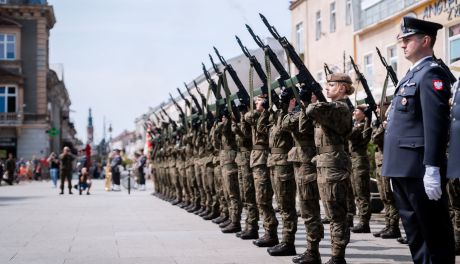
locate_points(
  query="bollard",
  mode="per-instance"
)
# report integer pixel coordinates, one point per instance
(129, 182)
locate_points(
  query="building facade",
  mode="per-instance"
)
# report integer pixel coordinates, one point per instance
(33, 101)
(363, 25)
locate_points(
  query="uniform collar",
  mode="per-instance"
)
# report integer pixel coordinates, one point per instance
(419, 62)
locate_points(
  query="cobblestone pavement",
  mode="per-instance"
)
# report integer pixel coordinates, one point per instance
(40, 226)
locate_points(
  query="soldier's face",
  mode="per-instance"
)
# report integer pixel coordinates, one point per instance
(358, 115)
(333, 90)
(259, 102)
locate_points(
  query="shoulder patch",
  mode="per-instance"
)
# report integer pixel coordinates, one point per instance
(438, 85)
(434, 64)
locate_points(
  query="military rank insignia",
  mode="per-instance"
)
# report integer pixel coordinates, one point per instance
(438, 85)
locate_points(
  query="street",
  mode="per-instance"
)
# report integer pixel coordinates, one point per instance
(40, 226)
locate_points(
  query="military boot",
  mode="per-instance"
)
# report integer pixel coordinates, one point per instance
(266, 241)
(378, 233)
(232, 228)
(220, 219)
(211, 215)
(402, 240)
(361, 228)
(457, 243)
(392, 232)
(199, 210)
(350, 220)
(308, 257)
(282, 249)
(336, 260)
(205, 213)
(251, 233)
(225, 223)
(177, 201)
(325, 220)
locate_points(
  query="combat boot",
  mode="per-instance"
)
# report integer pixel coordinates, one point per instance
(220, 219)
(176, 201)
(204, 213)
(282, 249)
(225, 223)
(336, 260)
(392, 232)
(211, 215)
(457, 243)
(250, 234)
(62, 192)
(199, 211)
(308, 257)
(325, 220)
(361, 228)
(266, 241)
(378, 233)
(232, 228)
(350, 220)
(402, 240)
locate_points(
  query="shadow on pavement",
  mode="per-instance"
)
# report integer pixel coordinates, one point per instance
(9, 200)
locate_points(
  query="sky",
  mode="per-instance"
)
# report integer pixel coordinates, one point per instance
(122, 57)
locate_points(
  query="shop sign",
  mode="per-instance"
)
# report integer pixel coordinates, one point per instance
(449, 7)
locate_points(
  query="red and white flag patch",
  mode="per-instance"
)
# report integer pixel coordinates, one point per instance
(438, 85)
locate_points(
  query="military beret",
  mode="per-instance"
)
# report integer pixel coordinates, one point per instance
(412, 25)
(339, 77)
(362, 107)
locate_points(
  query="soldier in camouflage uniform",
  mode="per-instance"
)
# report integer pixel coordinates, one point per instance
(301, 155)
(258, 162)
(243, 133)
(333, 124)
(181, 167)
(360, 180)
(391, 229)
(230, 176)
(198, 153)
(173, 170)
(220, 192)
(190, 172)
(283, 180)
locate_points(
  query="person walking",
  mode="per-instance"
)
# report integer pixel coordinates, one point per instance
(53, 162)
(66, 168)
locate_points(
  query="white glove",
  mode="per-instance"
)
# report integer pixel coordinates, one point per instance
(432, 182)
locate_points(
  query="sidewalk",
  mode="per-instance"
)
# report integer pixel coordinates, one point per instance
(40, 226)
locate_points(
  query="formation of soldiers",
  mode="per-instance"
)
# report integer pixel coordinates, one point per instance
(293, 145)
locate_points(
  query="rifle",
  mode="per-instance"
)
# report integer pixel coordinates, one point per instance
(390, 71)
(441, 63)
(230, 102)
(187, 102)
(242, 94)
(209, 115)
(182, 114)
(220, 103)
(304, 75)
(170, 119)
(370, 98)
(200, 110)
(260, 72)
(158, 120)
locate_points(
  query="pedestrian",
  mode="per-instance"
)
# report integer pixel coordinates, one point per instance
(53, 162)
(333, 124)
(10, 169)
(66, 168)
(415, 147)
(114, 168)
(84, 182)
(140, 165)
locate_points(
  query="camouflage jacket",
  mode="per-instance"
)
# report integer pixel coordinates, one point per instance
(303, 133)
(280, 140)
(359, 138)
(259, 124)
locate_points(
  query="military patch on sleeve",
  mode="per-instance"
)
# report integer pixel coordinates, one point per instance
(438, 85)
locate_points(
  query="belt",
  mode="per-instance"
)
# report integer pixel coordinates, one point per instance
(229, 148)
(260, 147)
(330, 148)
(278, 151)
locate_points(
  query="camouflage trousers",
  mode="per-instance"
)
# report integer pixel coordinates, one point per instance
(247, 191)
(231, 185)
(199, 184)
(386, 195)
(209, 187)
(177, 188)
(185, 188)
(220, 192)
(285, 193)
(360, 181)
(156, 184)
(307, 186)
(193, 187)
(453, 190)
(333, 184)
(264, 198)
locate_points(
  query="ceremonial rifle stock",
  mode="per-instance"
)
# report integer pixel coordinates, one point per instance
(390, 71)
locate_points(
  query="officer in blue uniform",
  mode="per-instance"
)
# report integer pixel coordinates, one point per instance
(415, 147)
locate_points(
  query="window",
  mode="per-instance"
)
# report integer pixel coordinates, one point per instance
(320, 77)
(392, 59)
(332, 24)
(7, 99)
(299, 38)
(7, 46)
(318, 25)
(454, 43)
(368, 70)
(2, 1)
(348, 12)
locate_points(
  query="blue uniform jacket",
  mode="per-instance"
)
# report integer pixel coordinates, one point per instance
(418, 122)
(453, 167)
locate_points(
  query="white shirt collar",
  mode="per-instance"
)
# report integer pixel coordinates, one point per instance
(418, 62)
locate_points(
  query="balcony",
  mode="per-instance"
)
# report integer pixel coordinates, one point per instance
(11, 119)
(24, 2)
